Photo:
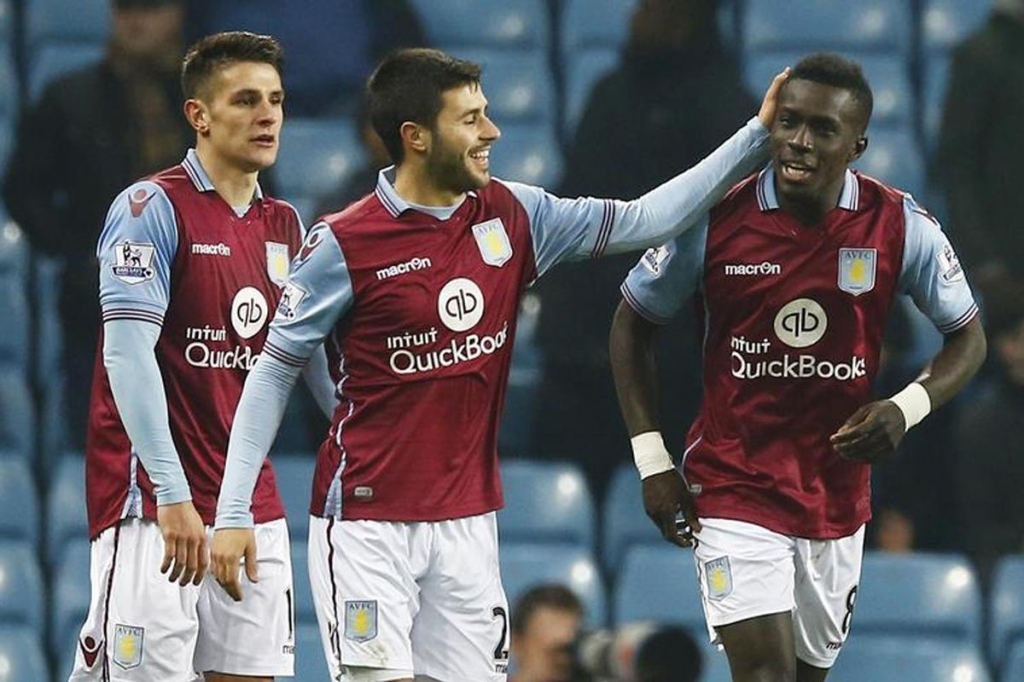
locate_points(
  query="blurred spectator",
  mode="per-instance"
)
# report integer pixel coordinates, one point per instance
(90, 134)
(668, 655)
(982, 142)
(545, 625)
(364, 180)
(989, 437)
(331, 47)
(674, 96)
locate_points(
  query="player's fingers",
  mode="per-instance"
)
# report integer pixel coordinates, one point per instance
(693, 521)
(169, 551)
(180, 560)
(203, 562)
(251, 564)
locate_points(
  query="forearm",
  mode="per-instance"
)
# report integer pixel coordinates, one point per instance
(138, 389)
(962, 354)
(634, 368)
(318, 380)
(672, 207)
(257, 419)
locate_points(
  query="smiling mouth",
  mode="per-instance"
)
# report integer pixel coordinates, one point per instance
(481, 157)
(795, 172)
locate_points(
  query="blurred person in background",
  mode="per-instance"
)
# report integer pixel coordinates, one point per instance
(91, 133)
(642, 651)
(989, 437)
(982, 142)
(332, 46)
(546, 623)
(669, 654)
(675, 93)
(364, 179)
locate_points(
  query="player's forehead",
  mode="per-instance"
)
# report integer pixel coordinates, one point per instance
(462, 99)
(240, 76)
(813, 99)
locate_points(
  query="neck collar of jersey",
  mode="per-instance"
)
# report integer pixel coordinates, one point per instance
(396, 205)
(194, 168)
(768, 200)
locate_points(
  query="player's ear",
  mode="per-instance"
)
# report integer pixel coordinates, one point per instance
(415, 137)
(197, 116)
(858, 148)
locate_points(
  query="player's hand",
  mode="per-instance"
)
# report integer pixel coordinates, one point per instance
(872, 433)
(771, 99)
(229, 546)
(666, 499)
(185, 552)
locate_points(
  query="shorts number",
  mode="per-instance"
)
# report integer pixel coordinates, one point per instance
(501, 651)
(851, 599)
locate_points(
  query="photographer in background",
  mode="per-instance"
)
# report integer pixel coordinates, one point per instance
(546, 622)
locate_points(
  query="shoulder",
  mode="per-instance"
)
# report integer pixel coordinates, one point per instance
(741, 197)
(366, 215)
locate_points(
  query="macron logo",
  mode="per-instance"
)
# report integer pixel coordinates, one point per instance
(220, 249)
(402, 268)
(746, 269)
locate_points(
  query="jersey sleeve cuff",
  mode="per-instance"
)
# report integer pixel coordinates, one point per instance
(961, 321)
(639, 308)
(233, 520)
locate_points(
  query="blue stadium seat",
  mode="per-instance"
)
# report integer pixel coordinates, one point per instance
(515, 433)
(545, 502)
(1013, 667)
(880, 659)
(808, 25)
(529, 154)
(14, 249)
(583, 69)
(294, 475)
(888, 75)
(935, 77)
(65, 21)
(1006, 629)
(526, 565)
(519, 24)
(51, 61)
(17, 418)
(317, 156)
(20, 517)
(66, 519)
(659, 584)
(17, 324)
(518, 84)
(21, 655)
(894, 157)
(310, 663)
(625, 522)
(918, 596)
(594, 24)
(70, 592)
(21, 585)
(945, 23)
(305, 610)
(8, 80)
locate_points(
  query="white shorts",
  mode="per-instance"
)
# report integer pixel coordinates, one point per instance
(745, 571)
(419, 598)
(142, 627)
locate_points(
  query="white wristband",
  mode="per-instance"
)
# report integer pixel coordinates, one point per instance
(914, 402)
(649, 454)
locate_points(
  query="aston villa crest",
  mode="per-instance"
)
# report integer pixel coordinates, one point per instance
(492, 240)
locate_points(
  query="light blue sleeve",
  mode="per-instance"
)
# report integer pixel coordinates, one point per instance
(932, 274)
(138, 389)
(571, 229)
(317, 295)
(667, 276)
(135, 251)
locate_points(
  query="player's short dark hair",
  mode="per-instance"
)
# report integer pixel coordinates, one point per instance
(552, 596)
(212, 53)
(832, 69)
(407, 86)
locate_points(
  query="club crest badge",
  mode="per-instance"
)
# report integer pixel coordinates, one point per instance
(857, 270)
(492, 240)
(718, 575)
(360, 620)
(133, 262)
(128, 643)
(277, 263)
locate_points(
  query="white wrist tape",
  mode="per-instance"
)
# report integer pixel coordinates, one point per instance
(914, 402)
(649, 454)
